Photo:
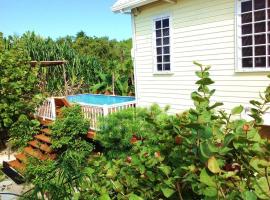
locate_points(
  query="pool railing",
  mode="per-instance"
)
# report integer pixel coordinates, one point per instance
(92, 112)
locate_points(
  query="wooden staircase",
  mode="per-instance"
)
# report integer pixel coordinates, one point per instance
(39, 147)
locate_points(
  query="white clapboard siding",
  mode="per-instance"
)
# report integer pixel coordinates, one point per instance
(203, 31)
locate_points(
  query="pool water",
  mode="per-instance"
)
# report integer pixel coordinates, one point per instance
(98, 99)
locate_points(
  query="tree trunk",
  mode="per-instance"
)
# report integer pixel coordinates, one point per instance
(65, 81)
(3, 139)
(113, 84)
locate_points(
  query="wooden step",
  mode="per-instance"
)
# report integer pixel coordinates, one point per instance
(91, 134)
(15, 164)
(46, 131)
(43, 138)
(35, 153)
(61, 102)
(52, 156)
(41, 146)
(58, 111)
(21, 157)
(45, 122)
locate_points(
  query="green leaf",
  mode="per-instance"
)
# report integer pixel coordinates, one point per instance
(104, 197)
(89, 171)
(261, 188)
(204, 151)
(165, 169)
(228, 139)
(76, 196)
(167, 192)
(213, 166)
(205, 117)
(248, 195)
(210, 192)
(217, 104)
(207, 179)
(134, 197)
(237, 110)
(205, 81)
(255, 103)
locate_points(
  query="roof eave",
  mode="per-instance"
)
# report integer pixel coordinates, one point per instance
(128, 6)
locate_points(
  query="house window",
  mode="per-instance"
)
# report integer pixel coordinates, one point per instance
(254, 34)
(162, 44)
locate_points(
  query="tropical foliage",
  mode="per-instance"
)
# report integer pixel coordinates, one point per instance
(19, 93)
(93, 63)
(62, 179)
(202, 153)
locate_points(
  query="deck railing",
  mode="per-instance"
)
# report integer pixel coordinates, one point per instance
(95, 112)
(47, 110)
(90, 111)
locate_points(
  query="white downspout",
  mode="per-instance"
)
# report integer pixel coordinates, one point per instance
(133, 54)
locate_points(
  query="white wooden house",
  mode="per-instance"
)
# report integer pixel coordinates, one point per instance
(168, 35)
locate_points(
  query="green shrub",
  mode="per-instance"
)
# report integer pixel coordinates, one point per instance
(202, 153)
(118, 129)
(19, 92)
(60, 179)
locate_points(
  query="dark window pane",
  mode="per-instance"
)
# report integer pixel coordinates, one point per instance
(259, 4)
(247, 40)
(158, 24)
(159, 59)
(268, 13)
(158, 42)
(260, 27)
(260, 62)
(268, 26)
(259, 15)
(158, 33)
(166, 32)
(260, 39)
(166, 50)
(246, 62)
(159, 50)
(166, 58)
(268, 61)
(259, 51)
(269, 51)
(268, 3)
(246, 18)
(159, 67)
(165, 23)
(166, 41)
(246, 6)
(167, 66)
(247, 29)
(268, 38)
(247, 51)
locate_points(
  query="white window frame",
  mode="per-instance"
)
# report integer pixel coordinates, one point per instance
(238, 39)
(155, 71)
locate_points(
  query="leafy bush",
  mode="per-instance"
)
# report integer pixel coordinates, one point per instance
(202, 153)
(120, 128)
(19, 92)
(208, 154)
(60, 179)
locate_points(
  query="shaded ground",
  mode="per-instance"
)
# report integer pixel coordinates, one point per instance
(6, 184)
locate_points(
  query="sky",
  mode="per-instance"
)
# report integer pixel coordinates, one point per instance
(58, 18)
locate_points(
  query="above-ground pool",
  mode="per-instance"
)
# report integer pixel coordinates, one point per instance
(97, 99)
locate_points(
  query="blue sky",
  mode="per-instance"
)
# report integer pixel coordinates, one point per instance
(57, 18)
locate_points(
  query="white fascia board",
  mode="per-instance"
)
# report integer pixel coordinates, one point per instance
(128, 5)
